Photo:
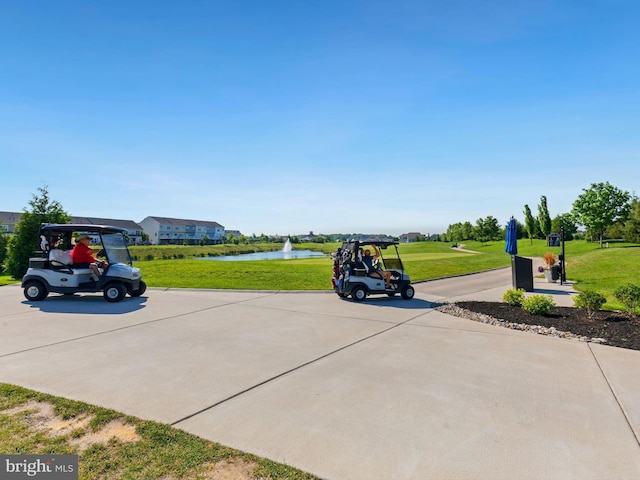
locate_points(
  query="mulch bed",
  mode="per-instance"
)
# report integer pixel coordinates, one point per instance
(618, 329)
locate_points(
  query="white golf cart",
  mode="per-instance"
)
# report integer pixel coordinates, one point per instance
(54, 271)
(350, 275)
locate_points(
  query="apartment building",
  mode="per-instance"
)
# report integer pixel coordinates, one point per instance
(167, 231)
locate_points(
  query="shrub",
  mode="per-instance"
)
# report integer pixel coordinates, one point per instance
(629, 296)
(590, 301)
(538, 304)
(514, 297)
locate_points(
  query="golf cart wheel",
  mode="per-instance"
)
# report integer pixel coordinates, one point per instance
(35, 291)
(408, 292)
(140, 290)
(358, 294)
(114, 292)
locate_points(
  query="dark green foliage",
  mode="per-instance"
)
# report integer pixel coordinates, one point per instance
(601, 206)
(530, 223)
(632, 227)
(544, 219)
(487, 229)
(25, 240)
(567, 221)
(4, 244)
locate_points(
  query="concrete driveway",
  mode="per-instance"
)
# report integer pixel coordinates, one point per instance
(384, 389)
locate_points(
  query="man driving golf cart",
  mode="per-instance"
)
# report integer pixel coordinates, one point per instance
(357, 274)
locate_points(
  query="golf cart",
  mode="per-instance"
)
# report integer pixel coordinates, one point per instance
(53, 270)
(350, 275)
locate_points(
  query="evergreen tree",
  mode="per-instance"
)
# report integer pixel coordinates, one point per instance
(544, 220)
(529, 223)
(25, 240)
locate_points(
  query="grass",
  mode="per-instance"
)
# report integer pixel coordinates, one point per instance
(7, 280)
(160, 451)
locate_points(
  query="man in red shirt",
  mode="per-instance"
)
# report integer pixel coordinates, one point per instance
(81, 253)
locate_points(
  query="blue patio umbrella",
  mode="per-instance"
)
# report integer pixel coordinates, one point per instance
(511, 246)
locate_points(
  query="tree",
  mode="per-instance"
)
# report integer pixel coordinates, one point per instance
(529, 223)
(544, 220)
(567, 221)
(487, 229)
(25, 238)
(632, 227)
(600, 206)
(4, 243)
(454, 232)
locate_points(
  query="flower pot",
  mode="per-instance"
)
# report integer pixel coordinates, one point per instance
(548, 276)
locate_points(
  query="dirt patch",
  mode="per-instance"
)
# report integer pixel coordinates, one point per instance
(41, 417)
(232, 469)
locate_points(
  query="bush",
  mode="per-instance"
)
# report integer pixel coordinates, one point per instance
(629, 296)
(590, 301)
(538, 304)
(514, 297)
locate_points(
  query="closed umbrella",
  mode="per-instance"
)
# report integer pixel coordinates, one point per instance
(511, 246)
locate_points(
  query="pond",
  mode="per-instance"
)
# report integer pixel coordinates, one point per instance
(277, 255)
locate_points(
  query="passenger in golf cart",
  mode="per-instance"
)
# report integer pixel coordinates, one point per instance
(357, 274)
(373, 267)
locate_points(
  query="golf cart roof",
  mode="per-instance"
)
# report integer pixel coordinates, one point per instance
(80, 227)
(377, 243)
(355, 244)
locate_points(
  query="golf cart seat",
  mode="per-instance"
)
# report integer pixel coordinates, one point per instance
(358, 270)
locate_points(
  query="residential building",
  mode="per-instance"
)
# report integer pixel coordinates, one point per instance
(8, 221)
(411, 237)
(164, 230)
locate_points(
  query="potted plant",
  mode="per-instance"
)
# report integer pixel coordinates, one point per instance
(549, 259)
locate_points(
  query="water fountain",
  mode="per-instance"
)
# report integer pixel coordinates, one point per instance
(286, 253)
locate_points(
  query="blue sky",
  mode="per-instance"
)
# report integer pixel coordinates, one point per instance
(284, 117)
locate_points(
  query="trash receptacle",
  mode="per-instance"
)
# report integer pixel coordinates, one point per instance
(522, 273)
(555, 272)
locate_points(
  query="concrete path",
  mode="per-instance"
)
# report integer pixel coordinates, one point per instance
(384, 389)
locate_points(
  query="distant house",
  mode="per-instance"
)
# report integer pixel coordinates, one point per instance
(411, 237)
(172, 231)
(308, 238)
(8, 221)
